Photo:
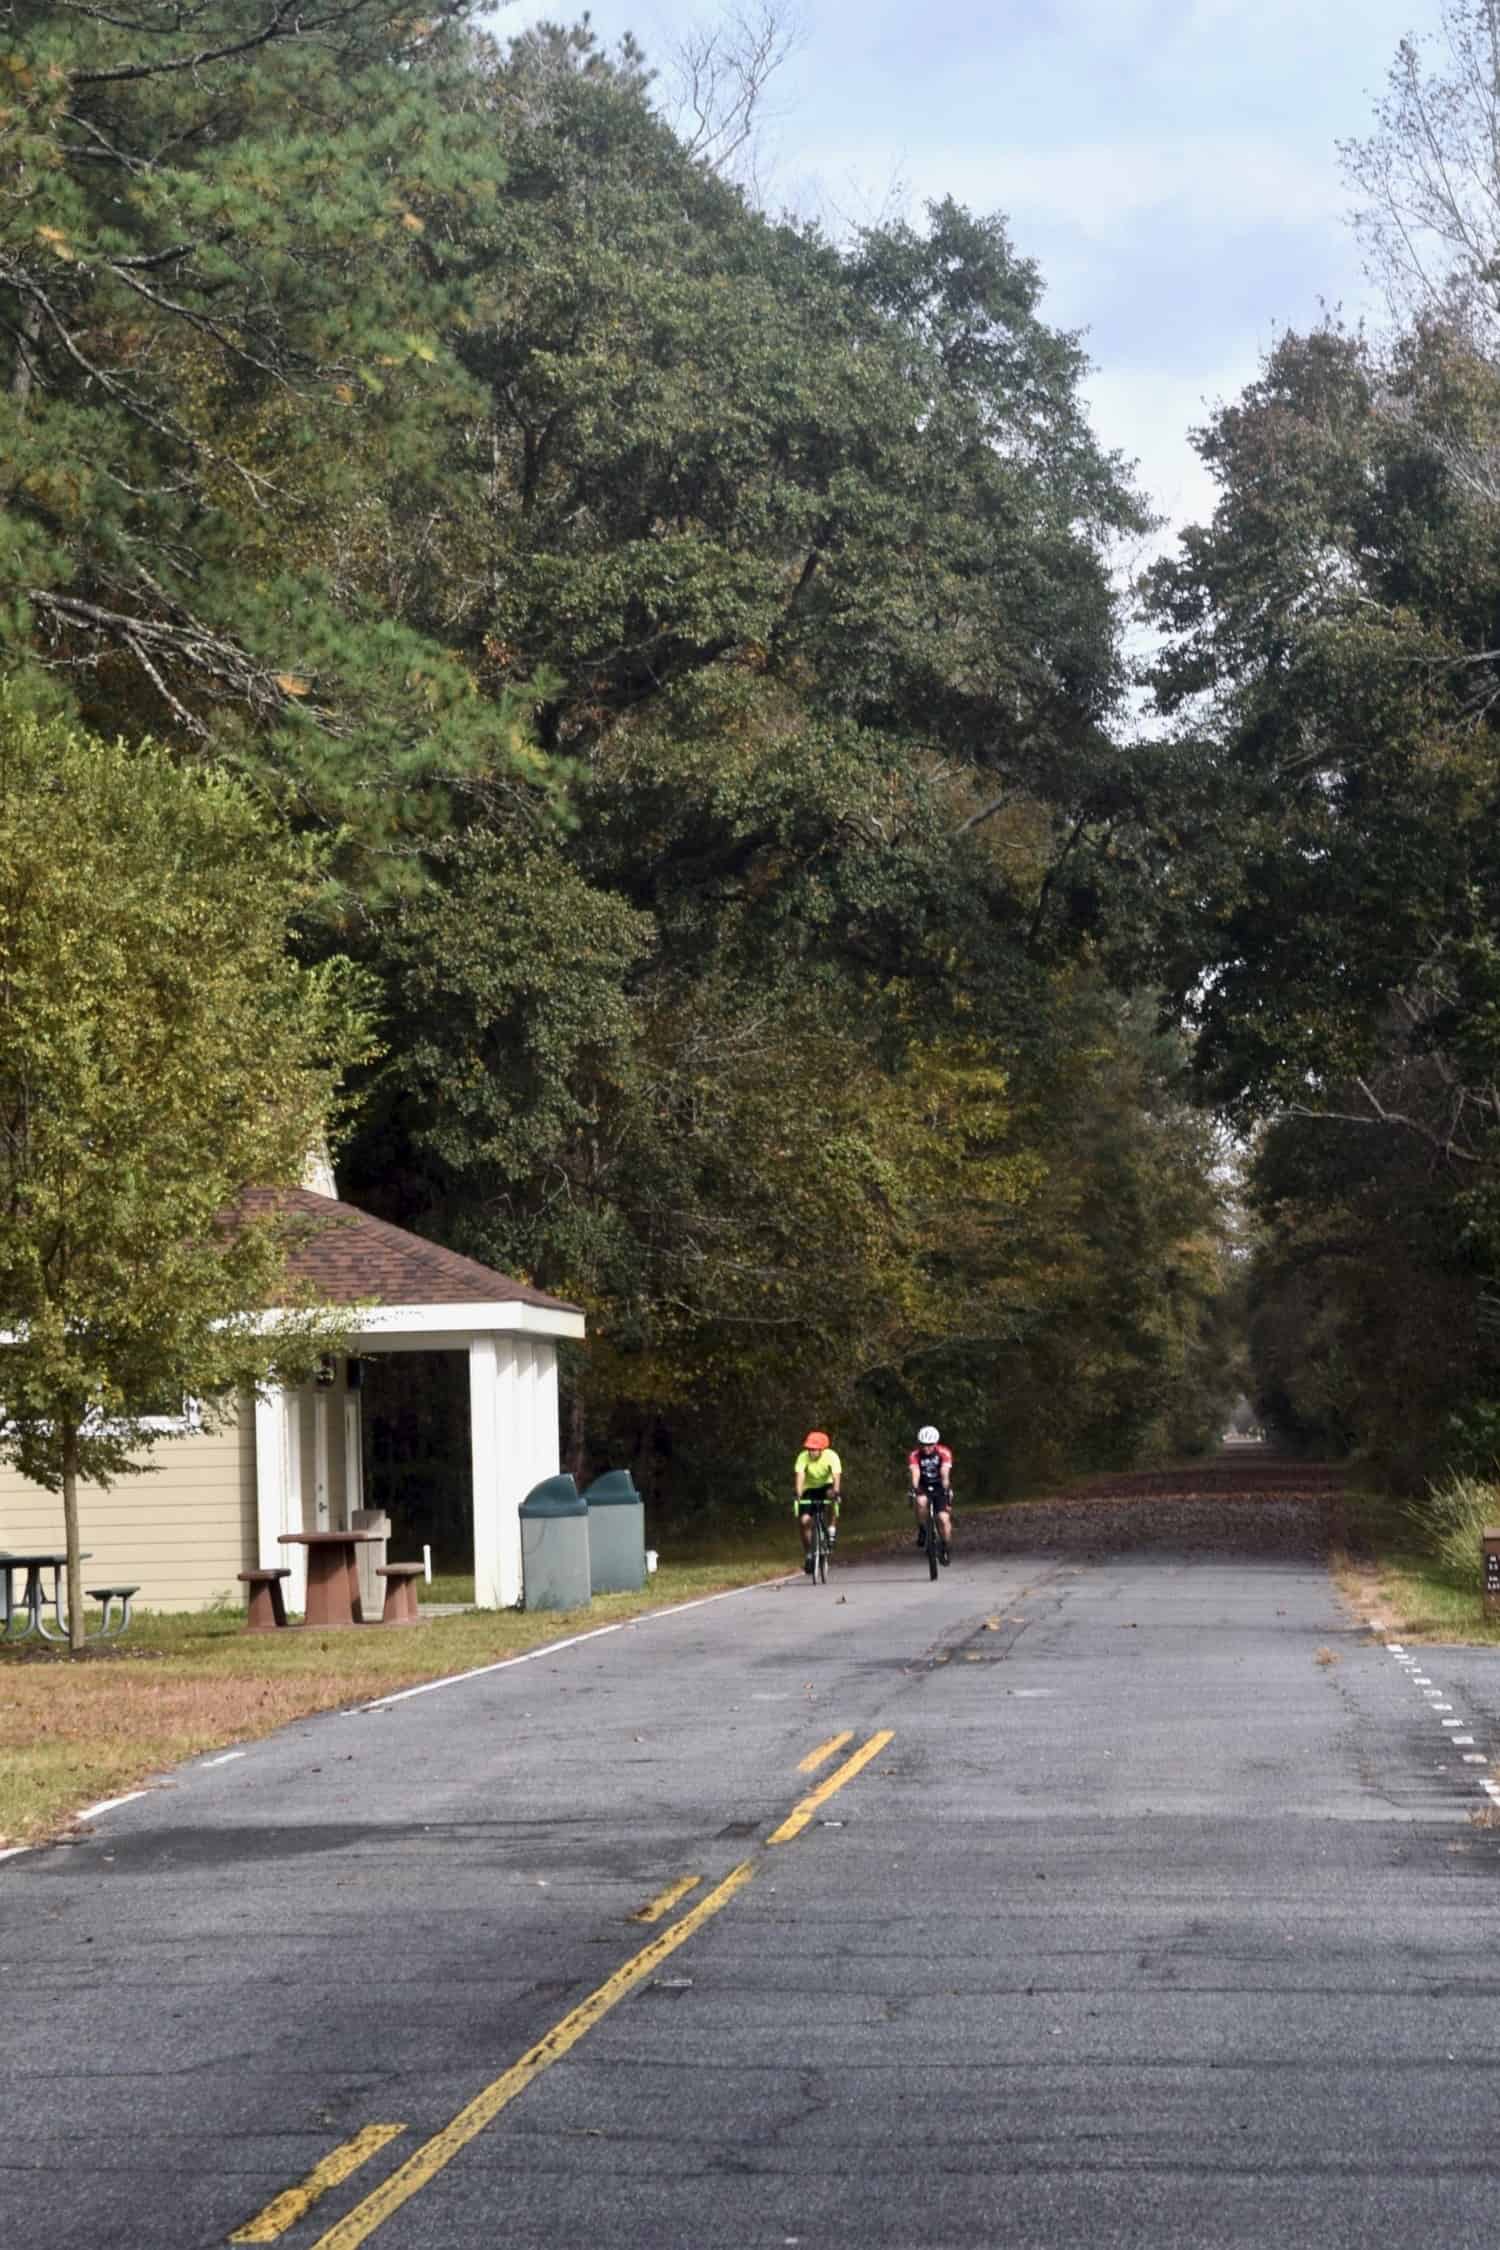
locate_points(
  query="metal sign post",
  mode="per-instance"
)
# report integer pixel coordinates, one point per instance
(1491, 1539)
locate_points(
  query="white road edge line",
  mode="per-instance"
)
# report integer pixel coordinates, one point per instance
(109, 1804)
(553, 1648)
(548, 1648)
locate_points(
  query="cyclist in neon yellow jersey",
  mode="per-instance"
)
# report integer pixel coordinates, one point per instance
(818, 1474)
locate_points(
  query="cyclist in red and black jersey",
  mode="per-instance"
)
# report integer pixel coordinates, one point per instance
(930, 1466)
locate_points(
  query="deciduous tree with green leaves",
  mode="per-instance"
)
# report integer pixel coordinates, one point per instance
(160, 1051)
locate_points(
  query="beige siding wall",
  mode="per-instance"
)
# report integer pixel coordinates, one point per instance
(181, 1533)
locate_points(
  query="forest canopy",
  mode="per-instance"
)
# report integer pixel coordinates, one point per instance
(698, 642)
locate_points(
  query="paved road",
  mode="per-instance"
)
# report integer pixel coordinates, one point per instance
(1149, 1924)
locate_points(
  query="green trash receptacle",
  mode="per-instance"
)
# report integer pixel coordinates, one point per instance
(617, 1534)
(554, 1546)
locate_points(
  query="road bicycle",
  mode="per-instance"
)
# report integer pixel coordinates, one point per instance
(932, 1541)
(822, 1542)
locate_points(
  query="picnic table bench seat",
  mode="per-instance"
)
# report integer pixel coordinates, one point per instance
(400, 1592)
(267, 1602)
(106, 1597)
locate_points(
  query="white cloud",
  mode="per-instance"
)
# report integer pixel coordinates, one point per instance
(1104, 192)
(1106, 189)
(1147, 412)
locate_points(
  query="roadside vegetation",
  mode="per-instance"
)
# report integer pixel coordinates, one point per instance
(1416, 1565)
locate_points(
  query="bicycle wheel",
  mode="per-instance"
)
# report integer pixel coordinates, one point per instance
(822, 1550)
(932, 1541)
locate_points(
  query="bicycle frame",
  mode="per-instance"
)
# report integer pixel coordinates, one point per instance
(938, 1503)
(821, 1550)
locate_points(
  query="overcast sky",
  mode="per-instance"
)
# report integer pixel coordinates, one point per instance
(1170, 164)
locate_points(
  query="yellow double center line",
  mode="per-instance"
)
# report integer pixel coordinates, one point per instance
(426, 2162)
(799, 1816)
(279, 2217)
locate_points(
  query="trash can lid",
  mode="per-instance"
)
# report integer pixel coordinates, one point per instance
(612, 1490)
(554, 1496)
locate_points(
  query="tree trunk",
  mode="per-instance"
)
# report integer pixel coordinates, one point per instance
(70, 1536)
(23, 370)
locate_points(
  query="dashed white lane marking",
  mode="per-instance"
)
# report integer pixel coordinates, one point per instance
(14, 1851)
(224, 1759)
(1436, 1701)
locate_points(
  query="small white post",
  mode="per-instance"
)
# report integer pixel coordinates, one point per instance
(322, 1495)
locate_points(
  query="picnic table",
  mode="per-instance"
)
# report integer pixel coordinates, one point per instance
(332, 1574)
(34, 1599)
(33, 1595)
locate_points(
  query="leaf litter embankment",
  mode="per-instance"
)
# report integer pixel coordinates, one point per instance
(1272, 1507)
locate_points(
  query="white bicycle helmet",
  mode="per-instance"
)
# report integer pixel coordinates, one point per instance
(927, 1435)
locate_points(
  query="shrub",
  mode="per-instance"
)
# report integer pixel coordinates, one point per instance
(1452, 1519)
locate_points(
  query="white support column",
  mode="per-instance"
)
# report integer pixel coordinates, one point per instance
(278, 1487)
(270, 1477)
(497, 1527)
(548, 1432)
(291, 1507)
(520, 1453)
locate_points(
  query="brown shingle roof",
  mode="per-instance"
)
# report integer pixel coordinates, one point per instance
(351, 1258)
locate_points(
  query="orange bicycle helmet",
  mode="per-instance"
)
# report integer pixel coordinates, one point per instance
(816, 1441)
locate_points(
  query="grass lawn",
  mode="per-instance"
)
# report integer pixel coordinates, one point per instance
(1383, 1570)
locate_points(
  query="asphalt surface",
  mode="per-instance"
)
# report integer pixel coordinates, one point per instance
(1162, 1918)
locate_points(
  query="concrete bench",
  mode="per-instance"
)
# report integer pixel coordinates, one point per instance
(267, 1604)
(400, 1592)
(107, 1596)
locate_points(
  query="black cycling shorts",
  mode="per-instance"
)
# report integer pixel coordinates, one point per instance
(811, 1500)
(935, 1496)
